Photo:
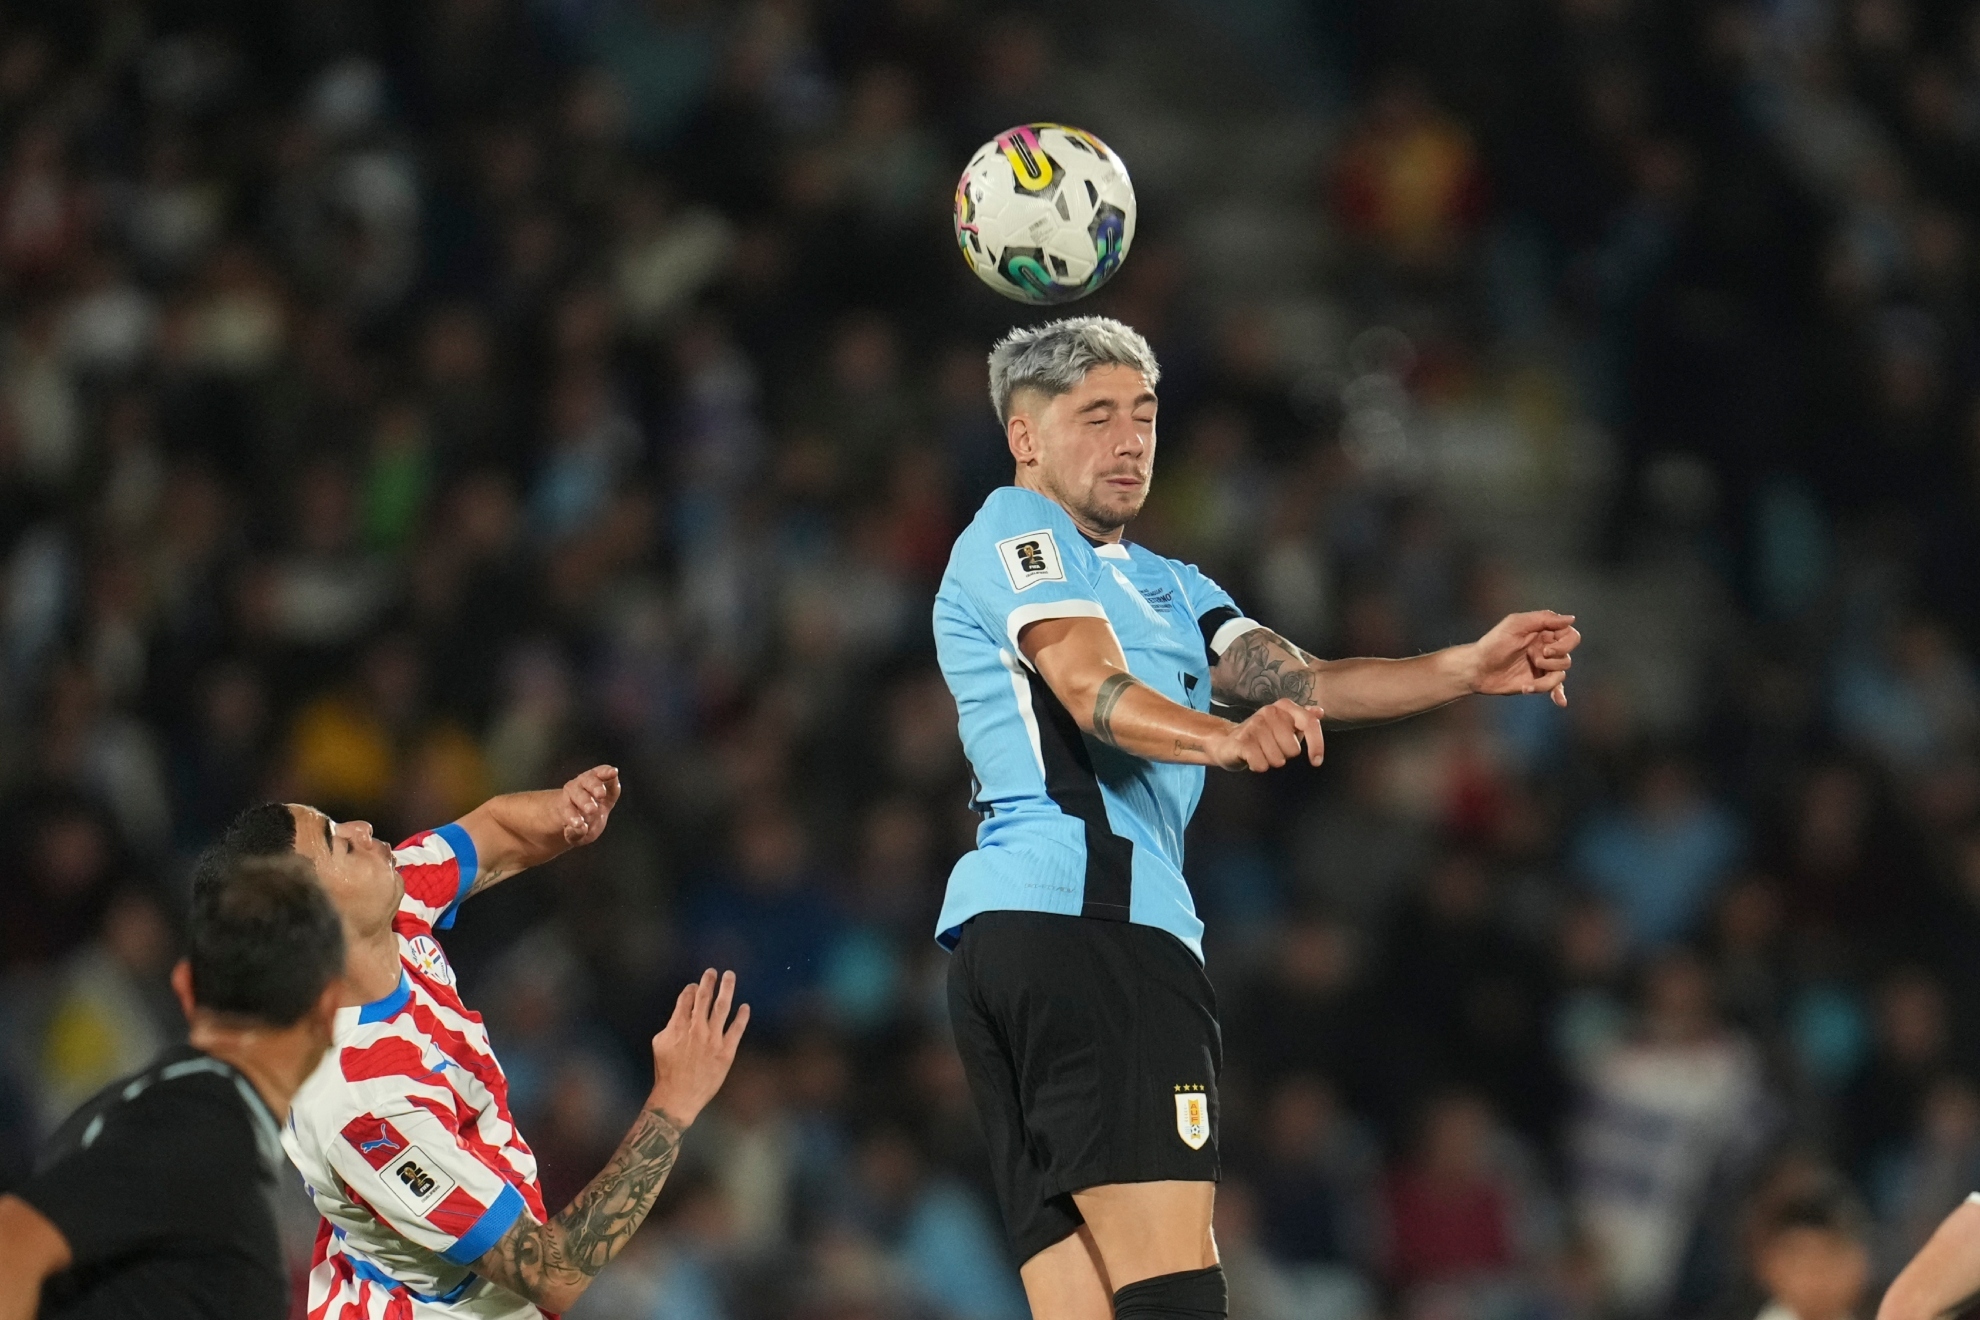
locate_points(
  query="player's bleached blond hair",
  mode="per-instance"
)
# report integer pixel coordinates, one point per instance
(1054, 357)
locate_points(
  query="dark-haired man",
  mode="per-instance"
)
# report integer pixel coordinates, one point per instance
(153, 1198)
(429, 1194)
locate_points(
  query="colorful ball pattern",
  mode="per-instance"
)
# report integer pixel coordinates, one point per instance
(1044, 213)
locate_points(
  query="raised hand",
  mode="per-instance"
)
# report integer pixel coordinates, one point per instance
(553, 1263)
(589, 800)
(1528, 652)
(1272, 736)
(692, 1053)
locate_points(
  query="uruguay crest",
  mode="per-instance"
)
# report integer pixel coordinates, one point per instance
(1193, 1118)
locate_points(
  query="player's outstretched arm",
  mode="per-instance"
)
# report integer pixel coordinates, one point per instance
(1080, 659)
(552, 1264)
(1528, 652)
(1944, 1277)
(516, 831)
(31, 1249)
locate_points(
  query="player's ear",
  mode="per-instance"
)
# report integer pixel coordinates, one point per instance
(1022, 438)
(182, 986)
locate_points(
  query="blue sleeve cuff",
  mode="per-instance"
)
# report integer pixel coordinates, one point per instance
(469, 863)
(472, 1245)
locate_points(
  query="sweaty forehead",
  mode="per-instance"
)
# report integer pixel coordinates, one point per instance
(312, 830)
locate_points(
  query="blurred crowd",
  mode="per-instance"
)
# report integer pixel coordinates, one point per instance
(401, 404)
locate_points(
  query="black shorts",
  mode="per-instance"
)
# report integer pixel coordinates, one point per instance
(1092, 1050)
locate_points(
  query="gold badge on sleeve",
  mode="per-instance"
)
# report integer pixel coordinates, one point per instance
(1192, 1116)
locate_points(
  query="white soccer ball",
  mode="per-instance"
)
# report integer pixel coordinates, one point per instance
(1044, 213)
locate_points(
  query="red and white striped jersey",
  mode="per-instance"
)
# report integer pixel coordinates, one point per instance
(403, 1133)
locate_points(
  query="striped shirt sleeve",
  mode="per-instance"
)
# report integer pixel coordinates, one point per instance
(438, 867)
(411, 1169)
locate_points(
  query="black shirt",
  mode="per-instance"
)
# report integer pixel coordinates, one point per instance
(163, 1184)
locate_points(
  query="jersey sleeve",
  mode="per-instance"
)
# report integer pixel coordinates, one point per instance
(438, 867)
(410, 1167)
(1217, 615)
(1015, 572)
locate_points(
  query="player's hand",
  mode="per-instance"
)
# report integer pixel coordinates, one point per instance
(1272, 736)
(588, 803)
(1529, 652)
(692, 1053)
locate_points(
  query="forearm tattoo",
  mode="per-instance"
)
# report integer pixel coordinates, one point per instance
(1112, 689)
(563, 1256)
(1259, 668)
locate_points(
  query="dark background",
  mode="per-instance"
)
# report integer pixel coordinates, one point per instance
(401, 403)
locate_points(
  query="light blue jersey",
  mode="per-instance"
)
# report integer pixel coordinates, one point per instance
(1070, 824)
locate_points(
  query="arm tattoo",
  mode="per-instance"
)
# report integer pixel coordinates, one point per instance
(1259, 668)
(486, 878)
(1112, 689)
(560, 1259)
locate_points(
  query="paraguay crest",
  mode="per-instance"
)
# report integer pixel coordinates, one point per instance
(1192, 1116)
(426, 955)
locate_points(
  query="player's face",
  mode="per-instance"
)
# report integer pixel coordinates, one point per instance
(1092, 449)
(354, 868)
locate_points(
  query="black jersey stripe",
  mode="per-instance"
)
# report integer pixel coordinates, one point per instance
(1072, 784)
(1211, 621)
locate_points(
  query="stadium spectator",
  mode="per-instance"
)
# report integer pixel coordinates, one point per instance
(1912, 1050)
(1409, 182)
(1272, 1289)
(1314, 1190)
(942, 1238)
(110, 1011)
(1664, 1113)
(1450, 1216)
(1660, 860)
(1811, 1257)
(1924, 1179)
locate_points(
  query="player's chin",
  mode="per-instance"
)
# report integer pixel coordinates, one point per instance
(1119, 504)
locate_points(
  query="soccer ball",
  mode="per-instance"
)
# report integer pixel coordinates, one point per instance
(1044, 213)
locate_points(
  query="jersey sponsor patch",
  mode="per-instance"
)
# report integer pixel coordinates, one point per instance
(1192, 1117)
(419, 1182)
(1031, 558)
(424, 952)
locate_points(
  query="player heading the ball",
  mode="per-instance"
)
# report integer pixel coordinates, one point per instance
(1095, 681)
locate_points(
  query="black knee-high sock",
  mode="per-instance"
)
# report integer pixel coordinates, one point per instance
(1191, 1295)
